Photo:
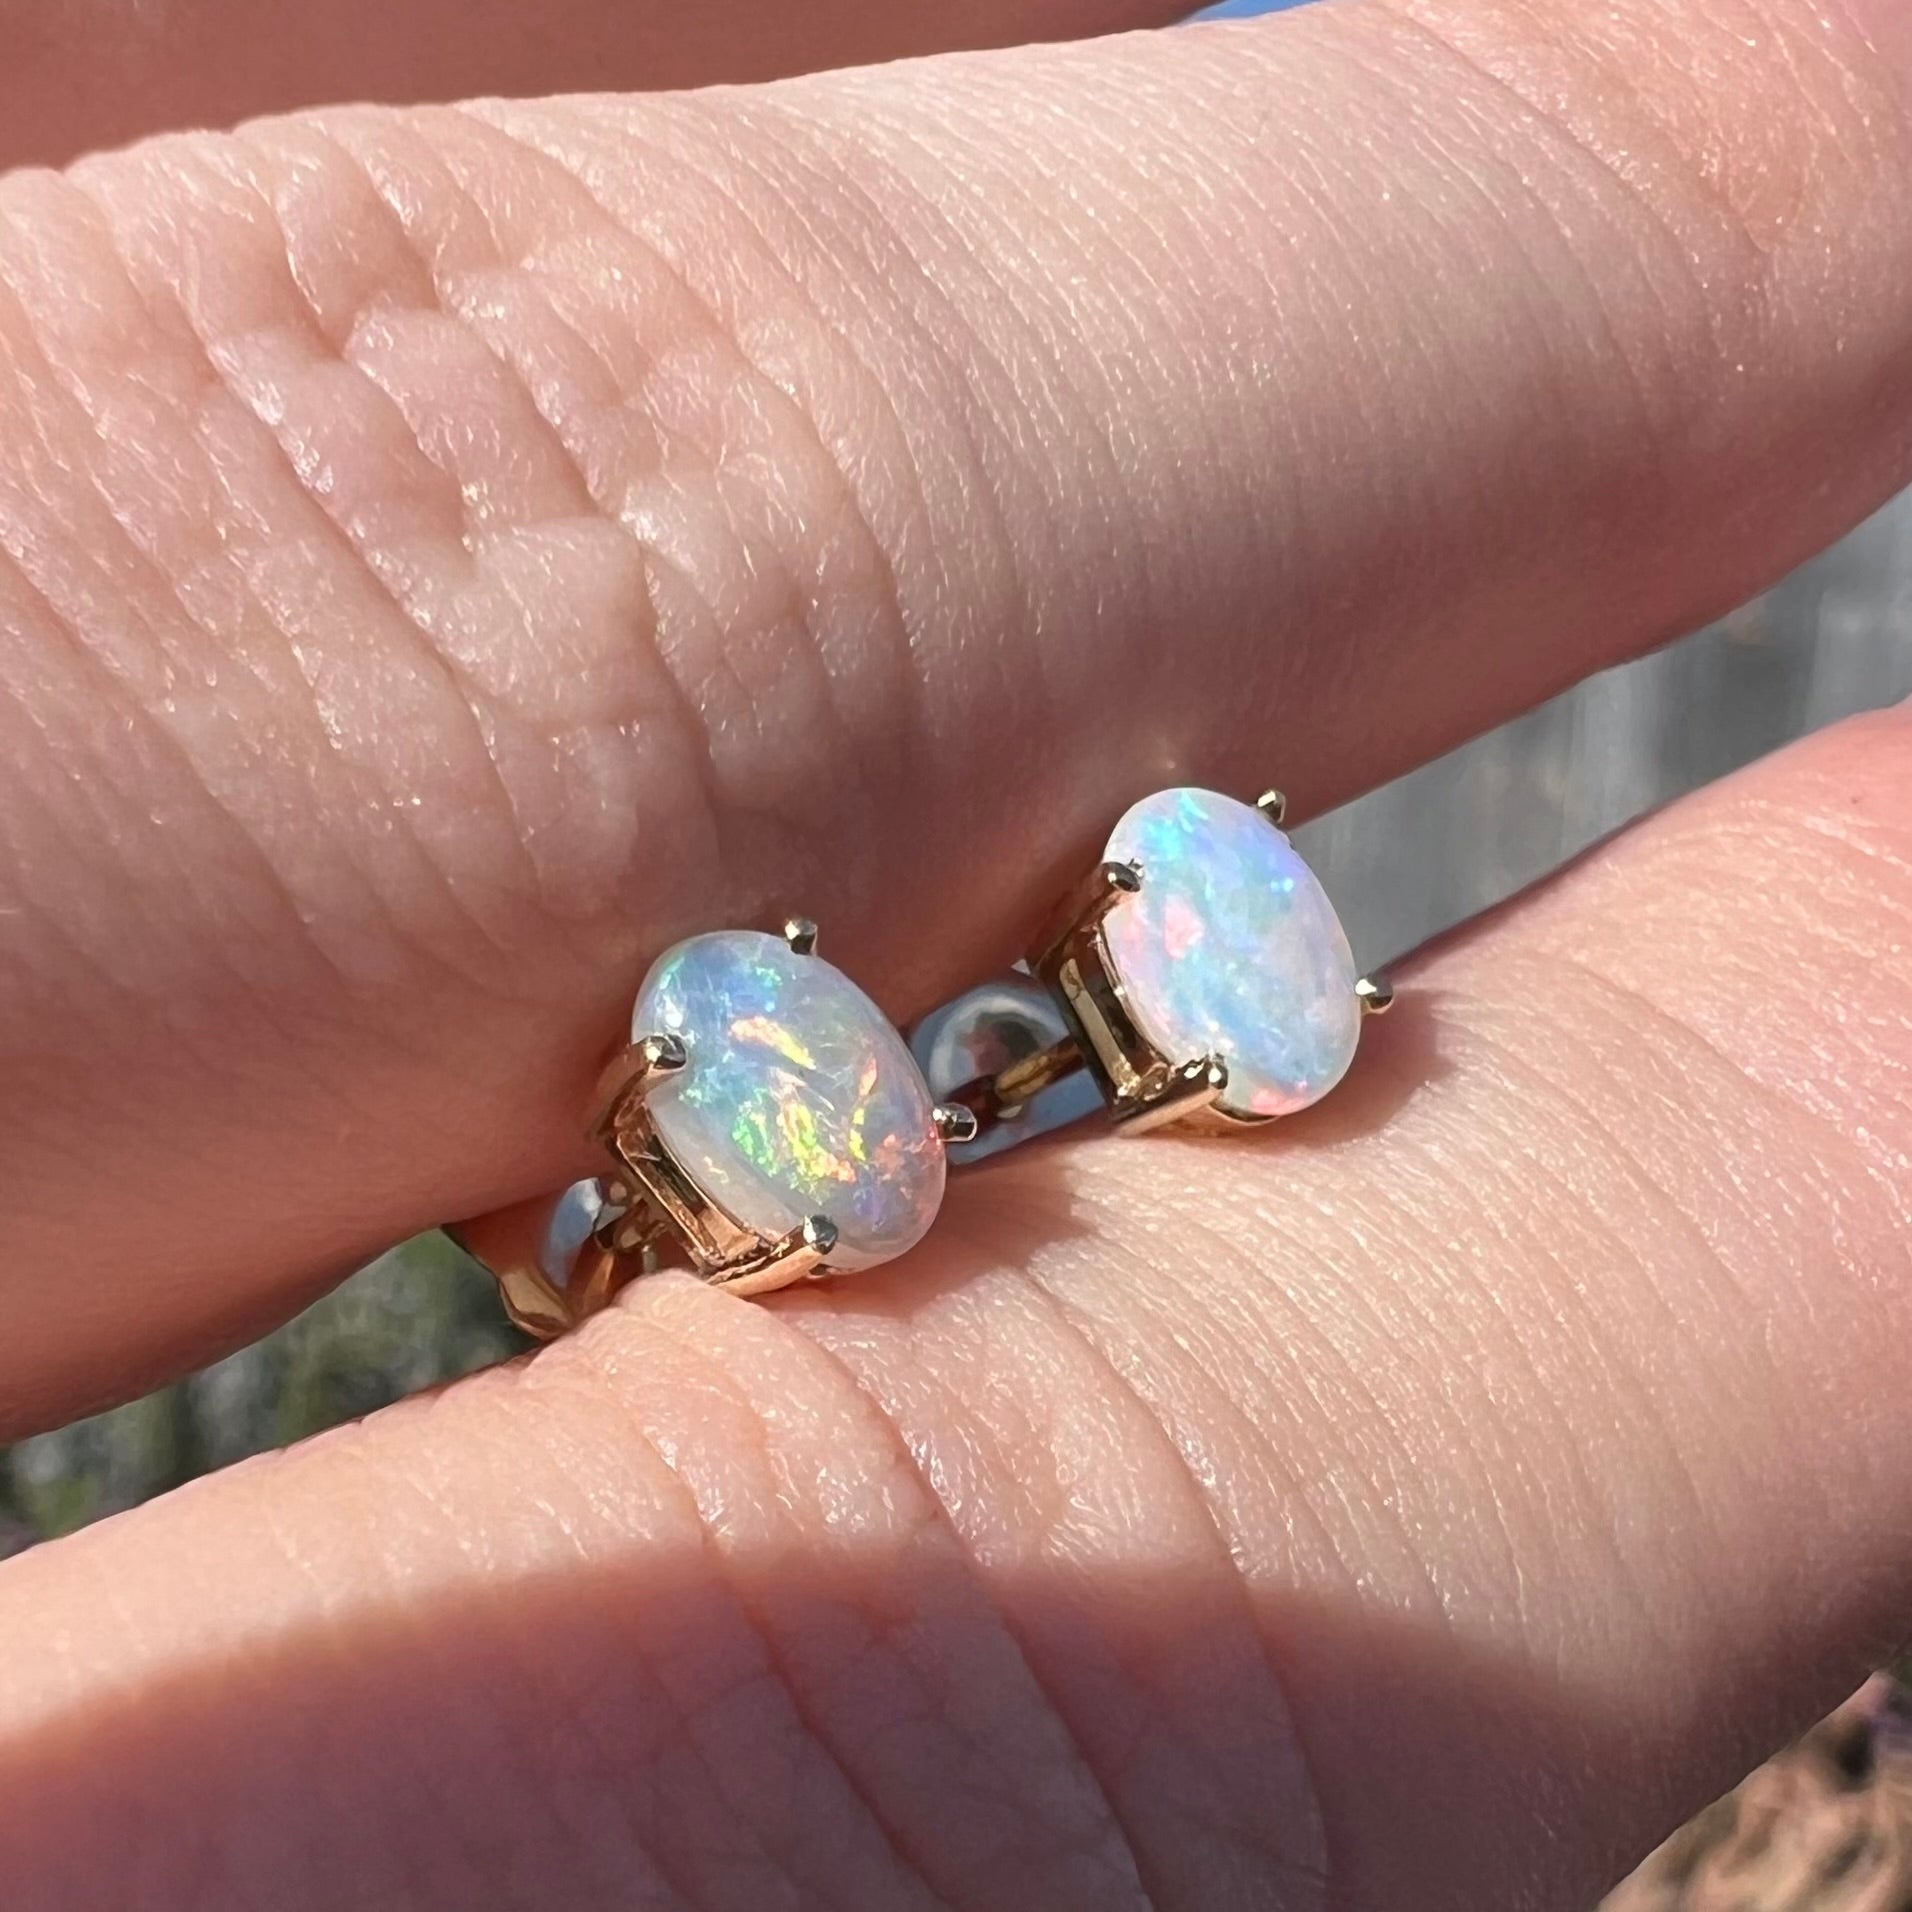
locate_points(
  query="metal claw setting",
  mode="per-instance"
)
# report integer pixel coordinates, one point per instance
(768, 1125)
(1202, 977)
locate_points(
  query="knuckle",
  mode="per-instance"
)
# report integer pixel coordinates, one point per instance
(572, 553)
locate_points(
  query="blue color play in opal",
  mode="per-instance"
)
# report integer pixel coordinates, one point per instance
(1232, 949)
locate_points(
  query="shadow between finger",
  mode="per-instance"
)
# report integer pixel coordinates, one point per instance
(853, 1734)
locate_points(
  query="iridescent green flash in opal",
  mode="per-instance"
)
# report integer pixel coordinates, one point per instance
(799, 1097)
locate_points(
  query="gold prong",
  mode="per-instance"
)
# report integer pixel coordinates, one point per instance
(790, 1258)
(801, 934)
(1086, 905)
(955, 1123)
(633, 1072)
(662, 1055)
(1273, 805)
(1187, 1091)
(1376, 993)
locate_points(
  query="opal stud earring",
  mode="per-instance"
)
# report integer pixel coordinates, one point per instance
(765, 1123)
(1201, 974)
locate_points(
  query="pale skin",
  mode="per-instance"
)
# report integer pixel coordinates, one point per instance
(445, 555)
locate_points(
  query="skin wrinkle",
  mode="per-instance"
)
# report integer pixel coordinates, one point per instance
(111, 679)
(1303, 1721)
(1083, 418)
(336, 1643)
(614, 1751)
(890, 267)
(1290, 1486)
(1312, 1870)
(75, 952)
(1556, 1260)
(548, 407)
(340, 543)
(865, 234)
(898, 268)
(478, 701)
(1727, 1071)
(354, 334)
(818, 629)
(1072, 1322)
(839, 1355)
(936, 1523)
(798, 599)
(1627, 1006)
(1446, 36)
(911, 1863)
(1585, 1496)
(1466, 1433)
(1593, 1335)
(65, 386)
(1823, 1123)
(1052, 404)
(839, 448)
(1652, 148)
(1551, 314)
(864, 1367)
(1463, 1437)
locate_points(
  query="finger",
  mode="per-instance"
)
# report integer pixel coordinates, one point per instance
(78, 80)
(1426, 1510)
(452, 555)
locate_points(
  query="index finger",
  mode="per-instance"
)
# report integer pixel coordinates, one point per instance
(452, 554)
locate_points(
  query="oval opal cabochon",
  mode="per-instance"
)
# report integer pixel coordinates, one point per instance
(1231, 948)
(798, 1098)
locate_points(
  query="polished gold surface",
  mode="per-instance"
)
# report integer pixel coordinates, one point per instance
(956, 1123)
(1011, 1090)
(668, 1208)
(1376, 993)
(654, 1213)
(1085, 906)
(1143, 1088)
(510, 1242)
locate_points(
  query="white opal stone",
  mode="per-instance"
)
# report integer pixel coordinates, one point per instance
(799, 1098)
(1231, 948)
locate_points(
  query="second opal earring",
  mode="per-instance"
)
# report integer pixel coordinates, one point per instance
(1201, 971)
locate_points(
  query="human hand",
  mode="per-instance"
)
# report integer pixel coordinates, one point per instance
(450, 554)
